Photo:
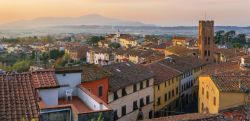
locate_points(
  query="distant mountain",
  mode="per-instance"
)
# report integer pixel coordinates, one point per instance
(92, 19)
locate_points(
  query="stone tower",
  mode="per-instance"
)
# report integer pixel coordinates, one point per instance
(206, 40)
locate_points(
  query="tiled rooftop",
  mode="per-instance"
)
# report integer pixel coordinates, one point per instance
(230, 53)
(231, 83)
(102, 50)
(162, 73)
(125, 74)
(17, 98)
(44, 79)
(236, 114)
(181, 50)
(212, 69)
(93, 72)
(74, 69)
(191, 117)
(183, 64)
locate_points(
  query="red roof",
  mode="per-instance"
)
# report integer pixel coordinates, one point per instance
(17, 98)
(44, 79)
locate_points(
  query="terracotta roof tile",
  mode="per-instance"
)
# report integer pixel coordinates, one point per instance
(230, 83)
(191, 117)
(93, 72)
(44, 79)
(236, 114)
(183, 63)
(17, 98)
(125, 74)
(212, 69)
(162, 72)
(181, 50)
(230, 53)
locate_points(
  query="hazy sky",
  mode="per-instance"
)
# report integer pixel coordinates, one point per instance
(160, 12)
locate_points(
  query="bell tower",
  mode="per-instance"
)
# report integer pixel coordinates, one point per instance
(206, 40)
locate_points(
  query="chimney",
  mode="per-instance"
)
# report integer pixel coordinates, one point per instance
(101, 106)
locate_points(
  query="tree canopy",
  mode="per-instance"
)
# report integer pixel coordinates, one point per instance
(94, 40)
(230, 39)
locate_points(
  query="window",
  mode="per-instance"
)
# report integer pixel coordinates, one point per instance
(165, 84)
(124, 110)
(205, 41)
(158, 87)
(177, 90)
(202, 107)
(115, 115)
(172, 93)
(207, 95)
(100, 91)
(147, 99)
(135, 88)
(208, 41)
(115, 96)
(135, 107)
(147, 83)
(214, 101)
(159, 101)
(124, 93)
(141, 102)
(205, 53)
(150, 115)
(208, 52)
(202, 91)
(166, 97)
(169, 95)
(141, 85)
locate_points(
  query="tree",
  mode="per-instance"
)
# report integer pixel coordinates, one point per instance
(22, 65)
(54, 54)
(94, 40)
(219, 37)
(229, 36)
(114, 45)
(241, 38)
(33, 54)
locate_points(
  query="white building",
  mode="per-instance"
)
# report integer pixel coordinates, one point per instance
(61, 90)
(100, 56)
(130, 90)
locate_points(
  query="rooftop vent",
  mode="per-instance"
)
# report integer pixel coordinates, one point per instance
(170, 59)
(118, 70)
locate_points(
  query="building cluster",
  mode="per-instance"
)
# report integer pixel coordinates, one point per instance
(150, 79)
(119, 91)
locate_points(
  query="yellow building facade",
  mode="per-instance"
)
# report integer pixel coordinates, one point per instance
(215, 96)
(127, 43)
(166, 93)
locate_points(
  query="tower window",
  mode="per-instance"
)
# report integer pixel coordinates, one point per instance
(208, 52)
(205, 52)
(208, 41)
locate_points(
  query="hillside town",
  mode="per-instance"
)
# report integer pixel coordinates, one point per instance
(126, 77)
